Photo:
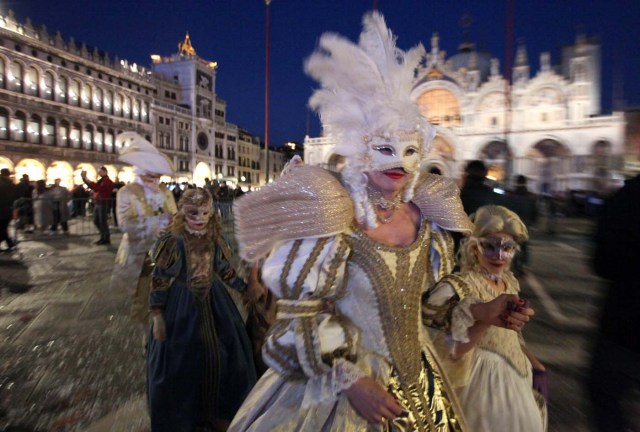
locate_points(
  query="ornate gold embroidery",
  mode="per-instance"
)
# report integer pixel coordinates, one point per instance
(306, 268)
(312, 360)
(444, 246)
(500, 341)
(286, 269)
(336, 262)
(289, 309)
(460, 285)
(398, 298)
(438, 317)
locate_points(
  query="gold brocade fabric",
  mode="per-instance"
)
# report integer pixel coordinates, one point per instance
(430, 406)
(398, 288)
(501, 341)
(308, 202)
(200, 261)
(311, 202)
(439, 201)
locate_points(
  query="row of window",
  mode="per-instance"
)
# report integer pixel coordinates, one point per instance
(248, 177)
(218, 152)
(30, 81)
(37, 130)
(248, 163)
(231, 171)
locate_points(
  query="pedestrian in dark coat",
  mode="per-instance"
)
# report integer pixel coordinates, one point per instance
(102, 199)
(7, 197)
(614, 369)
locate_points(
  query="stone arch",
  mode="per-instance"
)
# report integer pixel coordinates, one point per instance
(440, 104)
(34, 129)
(498, 157)
(201, 172)
(49, 131)
(32, 167)
(112, 172)
(601, 148)
(495, 150)
(5, 162)
(126, 174)
(31, 80)
(549, 148)
(60, 170)
(4, 62)
(5, 119)
(92, 173)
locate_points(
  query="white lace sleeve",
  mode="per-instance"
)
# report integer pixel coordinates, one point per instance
(462, 320)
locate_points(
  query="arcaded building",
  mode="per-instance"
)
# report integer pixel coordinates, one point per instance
(63, 103)
(545, 124)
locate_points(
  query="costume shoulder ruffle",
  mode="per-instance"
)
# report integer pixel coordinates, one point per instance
(309, 201)
(439, 201)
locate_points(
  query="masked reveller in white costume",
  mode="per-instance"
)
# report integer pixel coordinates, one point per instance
(144, 209)
(351, 257)
(500, 384)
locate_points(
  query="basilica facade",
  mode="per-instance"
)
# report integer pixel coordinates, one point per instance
(544, 124)
(63, 103)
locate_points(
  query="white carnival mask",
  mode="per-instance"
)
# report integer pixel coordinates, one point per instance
(151, 181)
(197, 217)
(401, 150)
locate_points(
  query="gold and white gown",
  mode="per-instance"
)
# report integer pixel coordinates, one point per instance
(349, 307)
(494, 380)
(139, 213)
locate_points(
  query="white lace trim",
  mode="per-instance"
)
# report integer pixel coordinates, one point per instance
(328, 386)
(462, 320)
(198, 233)
(345, 375)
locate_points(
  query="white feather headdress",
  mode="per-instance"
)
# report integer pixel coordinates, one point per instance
(366, 91)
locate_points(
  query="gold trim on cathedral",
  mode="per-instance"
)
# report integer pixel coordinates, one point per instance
(185, 48)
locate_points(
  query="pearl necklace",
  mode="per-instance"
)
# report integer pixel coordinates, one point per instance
(376, 198)
(495, 278)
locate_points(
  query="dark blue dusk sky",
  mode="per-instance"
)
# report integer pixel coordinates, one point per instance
(232, 32)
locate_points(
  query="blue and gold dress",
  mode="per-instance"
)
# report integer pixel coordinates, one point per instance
(204, 369)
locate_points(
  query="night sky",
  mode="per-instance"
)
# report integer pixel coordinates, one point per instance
(232, 32)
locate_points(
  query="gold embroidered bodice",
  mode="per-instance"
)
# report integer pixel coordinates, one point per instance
(398, 277)
(200, 262)
(501, 341)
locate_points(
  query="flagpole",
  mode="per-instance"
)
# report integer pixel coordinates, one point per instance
(266, 91)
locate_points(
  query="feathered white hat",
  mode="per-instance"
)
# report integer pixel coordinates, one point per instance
(366, 93)
(140, 153)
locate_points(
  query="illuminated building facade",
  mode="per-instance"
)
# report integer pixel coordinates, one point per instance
(63, 103)
(547, 126)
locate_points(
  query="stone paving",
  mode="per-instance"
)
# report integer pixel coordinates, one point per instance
(68, 355)
(70, 362)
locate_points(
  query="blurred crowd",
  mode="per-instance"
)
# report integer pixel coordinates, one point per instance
(41, 209)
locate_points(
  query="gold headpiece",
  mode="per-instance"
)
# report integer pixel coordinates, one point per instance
(198, 197)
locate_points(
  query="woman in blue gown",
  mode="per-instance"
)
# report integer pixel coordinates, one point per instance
(200, 363)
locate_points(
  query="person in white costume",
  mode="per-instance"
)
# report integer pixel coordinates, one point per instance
(350, 257)
(500, 384)
(144, 209)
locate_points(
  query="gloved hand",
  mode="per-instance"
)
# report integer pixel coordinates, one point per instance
(159, 328)
(540, 382)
